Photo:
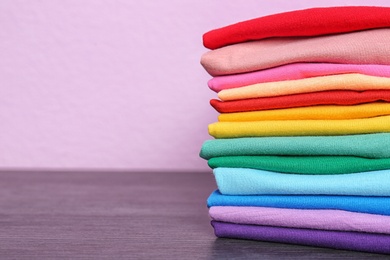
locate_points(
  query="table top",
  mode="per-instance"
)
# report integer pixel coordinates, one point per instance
(124, 215)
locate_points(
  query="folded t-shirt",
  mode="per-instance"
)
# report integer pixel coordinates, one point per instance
(368, 145)
(372, 205)
(316, 165)
(380, 124)
(238, 181)
(307, 22)
(325, 219)
(311, 113)
(295, 71)
(331, 97)
(359, 241)
(362, 47)
(352, 81)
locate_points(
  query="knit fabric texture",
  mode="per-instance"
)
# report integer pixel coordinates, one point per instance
(308, 22)
(314, 112)
(370, 204)
(359, 241)
(380, 124)
(357, 82)
(331, 97)
(362, 47)
(295, 71)
(325, 219)
(238, 181)
(369, 146)
(315, 165)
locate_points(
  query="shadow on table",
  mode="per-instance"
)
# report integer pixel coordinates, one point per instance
(224, 248)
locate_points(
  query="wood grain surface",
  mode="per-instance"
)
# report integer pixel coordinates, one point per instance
(124, 215)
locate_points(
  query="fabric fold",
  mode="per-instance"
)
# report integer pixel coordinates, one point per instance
(369, 146)
(352, 81)
(311, 165)
(307, 22)
(379, 124)
(295, 71)
(324, 219)
(311, 113)
(363, 204)
(238, 181)
(331, 97)
(361, 47)
(358, 241)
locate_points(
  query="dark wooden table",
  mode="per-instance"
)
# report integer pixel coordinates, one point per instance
(124, 215)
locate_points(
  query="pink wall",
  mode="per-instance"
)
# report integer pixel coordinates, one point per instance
(112, 84)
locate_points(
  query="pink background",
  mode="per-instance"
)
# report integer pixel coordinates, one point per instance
(98, 84)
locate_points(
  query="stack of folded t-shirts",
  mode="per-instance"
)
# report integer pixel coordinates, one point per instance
(302, 144)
